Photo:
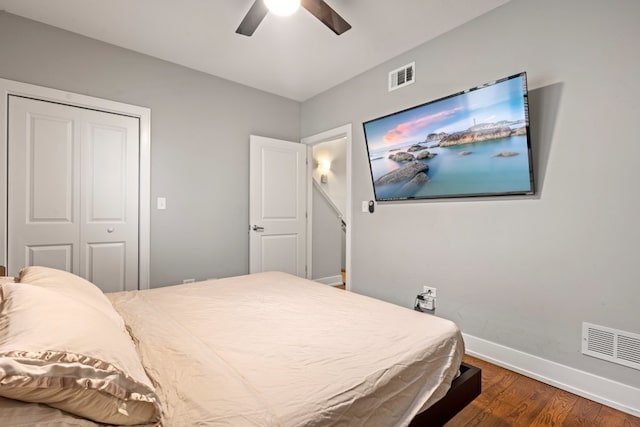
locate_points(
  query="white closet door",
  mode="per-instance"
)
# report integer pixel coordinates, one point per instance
(73, 192)
(109, 200)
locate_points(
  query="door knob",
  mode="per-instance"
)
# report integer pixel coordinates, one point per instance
(257, 228)
(110, 230)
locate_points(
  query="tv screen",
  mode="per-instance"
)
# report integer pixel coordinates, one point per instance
(472, 143)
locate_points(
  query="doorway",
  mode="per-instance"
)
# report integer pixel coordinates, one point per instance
(340, 135)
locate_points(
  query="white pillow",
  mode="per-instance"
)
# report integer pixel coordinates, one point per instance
(57, 350)
(70, 285)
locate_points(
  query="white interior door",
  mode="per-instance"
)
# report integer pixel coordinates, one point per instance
(277, 206)
(73, 182)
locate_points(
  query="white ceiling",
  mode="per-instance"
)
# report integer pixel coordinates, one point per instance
(296, 57)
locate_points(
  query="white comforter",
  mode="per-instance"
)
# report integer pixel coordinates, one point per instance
(272, 349)
(275, 350)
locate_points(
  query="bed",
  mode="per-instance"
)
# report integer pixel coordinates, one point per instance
(267, 349)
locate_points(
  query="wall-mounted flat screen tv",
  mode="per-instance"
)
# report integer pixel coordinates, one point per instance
(472, 143)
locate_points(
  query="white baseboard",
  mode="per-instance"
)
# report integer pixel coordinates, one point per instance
(331, 280)
(602, 390)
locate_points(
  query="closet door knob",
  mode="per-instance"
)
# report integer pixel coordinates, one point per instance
(110, 230)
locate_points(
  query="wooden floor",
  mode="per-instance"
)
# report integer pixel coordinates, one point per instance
(510, 399)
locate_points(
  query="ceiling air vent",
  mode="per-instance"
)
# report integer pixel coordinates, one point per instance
(611, 344)
(402, 76)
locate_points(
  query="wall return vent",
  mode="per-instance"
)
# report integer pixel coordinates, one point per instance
(402, 76)
(611, 344)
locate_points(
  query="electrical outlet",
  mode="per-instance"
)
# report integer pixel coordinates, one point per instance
(426, 290)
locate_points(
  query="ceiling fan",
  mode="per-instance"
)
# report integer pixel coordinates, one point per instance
(318, 8)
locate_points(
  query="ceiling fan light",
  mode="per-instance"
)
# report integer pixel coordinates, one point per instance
(282, 7)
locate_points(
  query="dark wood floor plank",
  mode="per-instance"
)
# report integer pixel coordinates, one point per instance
(583, 413)
(528, 397)
(509, 399)
(609, 417)
(557, 410)
(478, 413)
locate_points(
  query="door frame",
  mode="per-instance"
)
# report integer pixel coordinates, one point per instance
(344, 131)
(143, 114)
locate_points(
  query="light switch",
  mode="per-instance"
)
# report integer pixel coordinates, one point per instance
(162, 203)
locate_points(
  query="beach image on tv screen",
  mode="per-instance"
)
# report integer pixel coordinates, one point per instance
(469, 144)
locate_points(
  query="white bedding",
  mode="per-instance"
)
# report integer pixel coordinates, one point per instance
(272, 349)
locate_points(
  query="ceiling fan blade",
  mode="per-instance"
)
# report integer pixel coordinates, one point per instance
(253, 18)
(327, 15)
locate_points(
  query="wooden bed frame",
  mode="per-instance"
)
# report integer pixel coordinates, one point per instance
(466, 387)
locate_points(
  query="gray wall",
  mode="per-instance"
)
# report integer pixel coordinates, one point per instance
(200, 128)
(327, 238)
(521, 272)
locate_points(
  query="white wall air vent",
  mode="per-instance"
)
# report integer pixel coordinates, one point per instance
(402, 76)
(611, 344)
